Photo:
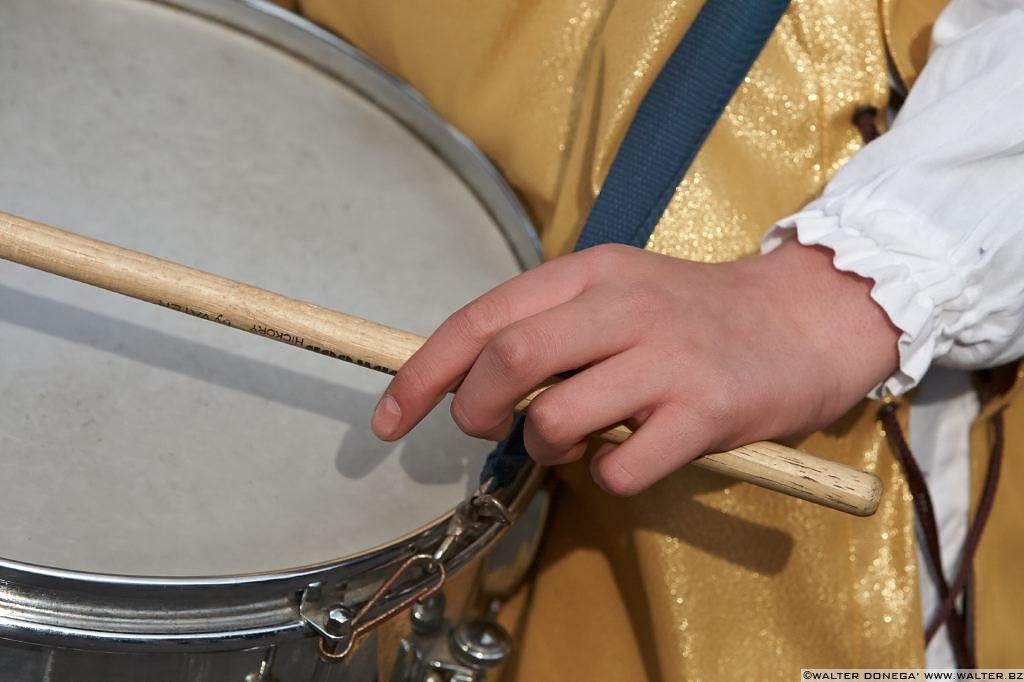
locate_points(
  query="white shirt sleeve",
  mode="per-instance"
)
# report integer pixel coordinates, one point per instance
(933, 211)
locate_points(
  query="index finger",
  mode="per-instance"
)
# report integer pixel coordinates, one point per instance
(439, 365)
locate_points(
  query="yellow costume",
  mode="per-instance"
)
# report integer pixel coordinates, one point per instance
(700, 575)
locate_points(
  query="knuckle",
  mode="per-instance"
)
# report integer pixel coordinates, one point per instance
(715, 407)
(710, 418)
(608, 257)
(479, 320)
(511, 353)
(613, 251)
(549, 423)
(717, 402)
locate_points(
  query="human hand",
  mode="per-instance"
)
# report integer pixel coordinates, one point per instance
(694, 357)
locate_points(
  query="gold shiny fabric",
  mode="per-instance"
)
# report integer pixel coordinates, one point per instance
(786, 131)
(698, 578)
(908, 30)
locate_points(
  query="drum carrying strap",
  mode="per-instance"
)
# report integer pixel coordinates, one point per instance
(670, 126)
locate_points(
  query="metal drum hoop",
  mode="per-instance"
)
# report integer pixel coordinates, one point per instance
(119, 613)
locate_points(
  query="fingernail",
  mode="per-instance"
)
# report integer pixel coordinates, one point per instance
(386, 417)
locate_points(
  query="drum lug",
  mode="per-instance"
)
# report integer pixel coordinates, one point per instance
(443, 651)
(481, 644)
(428, 615)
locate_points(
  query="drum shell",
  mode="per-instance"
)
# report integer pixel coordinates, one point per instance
(62, 627)
(291, 661)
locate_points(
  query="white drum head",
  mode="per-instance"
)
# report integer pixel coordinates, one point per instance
(135, 440)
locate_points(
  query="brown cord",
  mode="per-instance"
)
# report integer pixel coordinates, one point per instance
(896, 100)
(973, 538)
(866, 120)
(948, 613)
(865, 117)
(955, 625)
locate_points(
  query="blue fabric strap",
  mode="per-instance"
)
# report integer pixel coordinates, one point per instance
(674, 118)
(507, 458)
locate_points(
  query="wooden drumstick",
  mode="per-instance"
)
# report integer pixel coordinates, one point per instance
(371, 345)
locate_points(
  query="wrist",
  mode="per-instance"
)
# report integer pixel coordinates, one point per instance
(833, 315)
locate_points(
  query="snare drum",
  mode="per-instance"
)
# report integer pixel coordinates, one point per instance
(202, 503)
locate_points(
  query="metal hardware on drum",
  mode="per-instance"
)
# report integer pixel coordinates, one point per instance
(465, 651)
(436, 648)
(343, 628)
(339, 628)
(263, 674)
(481, 643)
(427, 615)
(481, 506)
(459, 652)
(441, 650)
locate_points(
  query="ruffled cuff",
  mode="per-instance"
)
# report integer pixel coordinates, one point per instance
(909, 304)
